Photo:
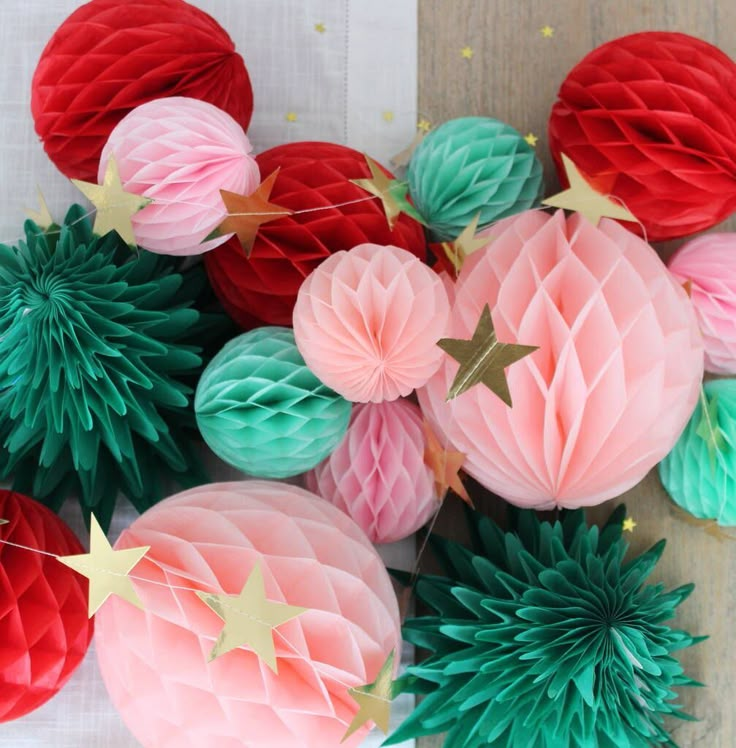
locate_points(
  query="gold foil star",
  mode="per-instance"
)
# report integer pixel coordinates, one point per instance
(115, 206)
(106, 569)
(320, 28)
(531, 139)
(247, 212)
(628, 524)
(374, 700)
(41, 217)
(582, 197)
(467, 53)
(424, 125)
(388, 116)
(445, 466)
(291, 116)
(547, 32)
(466, 243)
(483, 360)
(249, 619)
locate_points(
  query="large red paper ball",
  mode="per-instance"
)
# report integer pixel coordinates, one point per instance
(651, 119)
(44, 628)
(263, 289)
(110, 56)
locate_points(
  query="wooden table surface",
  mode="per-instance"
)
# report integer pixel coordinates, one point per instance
(513, 75)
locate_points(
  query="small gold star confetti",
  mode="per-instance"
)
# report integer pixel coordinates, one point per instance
(467, 53)
(41, 217)
(629, 524)
(250, 619)
(115, 206)
(106, 569)
(320, 28)
(547, 32)
(424, 125)
(466, 243)
(445, 466)
(291, 116)
(247, 212)
(582, 197)
(388, 116)
(374, 700)
(531, 139)
(483, 360)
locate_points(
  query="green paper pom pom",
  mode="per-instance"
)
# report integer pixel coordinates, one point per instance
(544, 637)
(700, 472)
(98, 354)
(472, 165)
(262, 410)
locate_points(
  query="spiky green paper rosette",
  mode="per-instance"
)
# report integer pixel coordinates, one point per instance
(99, 351)
(543, 637)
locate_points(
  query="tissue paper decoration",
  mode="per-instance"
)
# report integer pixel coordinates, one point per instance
(154, 662)
(44, 627)
(377, 473)
(180, 153)
(262, 410)
(616, 376)
(472, 165)
(651, 119)
(314, 181)
(544, 636)
(705, 266)
(367, 322)
(109, 57)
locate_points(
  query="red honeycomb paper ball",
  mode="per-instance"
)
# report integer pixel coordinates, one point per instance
(651, 119)
(44, 628)
(262, 289)
(110, 56)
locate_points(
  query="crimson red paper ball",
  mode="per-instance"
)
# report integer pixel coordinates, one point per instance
(110, 56)
(651, 119)
(314, 177)
(44, 627)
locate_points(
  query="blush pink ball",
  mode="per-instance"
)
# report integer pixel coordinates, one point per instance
(377, 473)
(709, 265)
(367, 322)
(614, 381)
(180, 152)
(155, 661)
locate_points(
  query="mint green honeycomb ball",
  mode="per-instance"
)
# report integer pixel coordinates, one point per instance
(703, 481)
(262, 410)
(472, 165)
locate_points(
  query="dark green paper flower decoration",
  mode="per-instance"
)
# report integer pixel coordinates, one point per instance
(545, 638)
(99, 353)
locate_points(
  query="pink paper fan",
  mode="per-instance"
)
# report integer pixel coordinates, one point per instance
(616, 376)
(181, 152)
(708, 265)
(367, 322)
(377, 473)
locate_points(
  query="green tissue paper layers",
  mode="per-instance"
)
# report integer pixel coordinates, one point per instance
(263, 411)
(472, 165)
(99, 350)
(544, 637)
(700, 472)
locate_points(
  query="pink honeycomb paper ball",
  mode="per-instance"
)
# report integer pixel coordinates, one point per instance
(614, 381)
(367, 322)
(180, 152)
(707, 265)
(377, 473)
(155, 661)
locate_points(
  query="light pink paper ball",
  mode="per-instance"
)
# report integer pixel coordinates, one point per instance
(180, 152)
(367, 322)
(155, 661)
(709, 265)
(377, 473)
(614, 381)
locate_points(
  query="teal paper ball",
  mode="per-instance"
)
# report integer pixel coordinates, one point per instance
(701, 478)
(472, 165)
(262, 410)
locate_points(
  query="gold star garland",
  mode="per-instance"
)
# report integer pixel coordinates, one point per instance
(374, 700)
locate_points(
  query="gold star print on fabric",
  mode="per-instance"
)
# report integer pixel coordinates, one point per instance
(483, 360)
(320, 28)
(466, 243)
(531, 139)
(115, 206)
(291, 117)
(250, 619)
(583, 198)
(467, 53)
(628, 524)
(445, 465)
(388, 116)
(41, 217)
(106, 569)
(374, 700)
(547, 32)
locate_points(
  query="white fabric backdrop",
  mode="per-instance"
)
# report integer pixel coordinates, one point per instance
(355, 83)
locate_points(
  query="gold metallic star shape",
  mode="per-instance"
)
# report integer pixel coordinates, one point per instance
(291, 117)
(246, 213)
(483, 360)
(424, 125)
(547, 32)
(582, 197)
(374, 700)
(531, 139)
(466, 243)
(467, 53)
(445, 465)
(41, 217)
(320, 28)
(115, 206)
(629, 524)
(106, 569)
(250, 619)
